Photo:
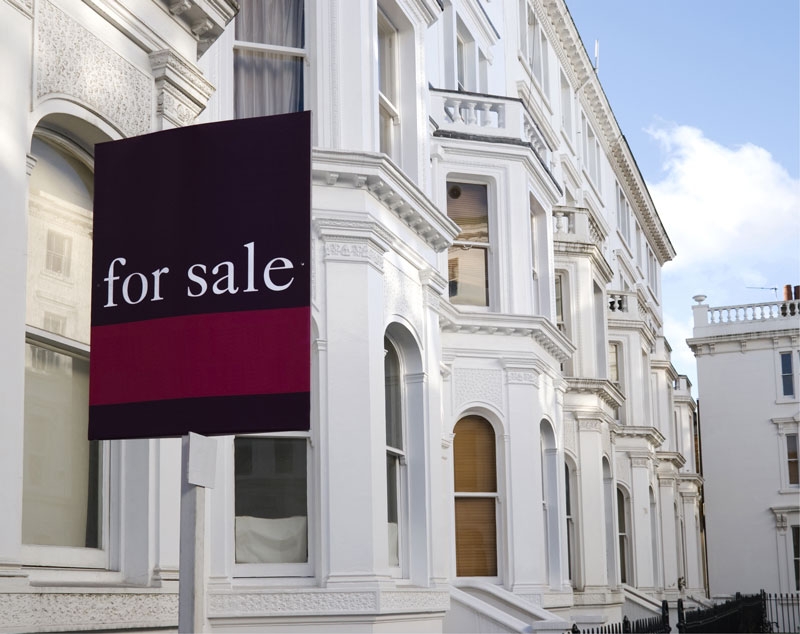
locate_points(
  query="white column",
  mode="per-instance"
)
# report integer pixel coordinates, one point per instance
(640, 517)
(666, 490)
(592, 505)
(689, 499)
(352, 429)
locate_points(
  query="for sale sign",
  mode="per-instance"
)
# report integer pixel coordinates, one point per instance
(201, 281)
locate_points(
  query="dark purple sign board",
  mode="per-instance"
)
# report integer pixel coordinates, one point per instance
(201, 279)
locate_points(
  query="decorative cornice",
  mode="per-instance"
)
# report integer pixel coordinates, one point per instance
(576, 62)
(703, 345)
(669, 460)
(650, 434)
(391, 187)
(23, 6)
(539, 328)
(605, 390)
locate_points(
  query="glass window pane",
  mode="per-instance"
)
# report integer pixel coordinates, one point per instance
(276, 22)
(791, 446)
(59, 243)
(468, 276)
(474, 456)
(476, 538)
(786, 363)
(392, 468)
(61, 468)
(394, 418)
(271, 507)
(266, 83)
(468, 206)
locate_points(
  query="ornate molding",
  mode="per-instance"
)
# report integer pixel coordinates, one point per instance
(537, 327)
(84, 610)
(322, 602)
(476, 385)
(402, 296)
(181, 90)
(522, 377)
(391, 187)
(24, 6)
(605, 390)
(589, 424)
(354, 250)
(71, 61)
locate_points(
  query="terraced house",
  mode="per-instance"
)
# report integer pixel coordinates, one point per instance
(498, 436)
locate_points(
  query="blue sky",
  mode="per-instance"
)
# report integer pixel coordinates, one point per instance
(707, 93)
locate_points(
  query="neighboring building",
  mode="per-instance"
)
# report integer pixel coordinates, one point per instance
(748, 364)
(498, 435)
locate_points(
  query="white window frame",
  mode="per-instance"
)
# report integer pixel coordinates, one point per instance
(786, 427)
(492, 281)
(388, 104)
(265, 570)
(794, 357)
(401, 453)
(535, 49)
(567, 110)
(497, 495)
(623, 216)
(286, 51)
(70, 556)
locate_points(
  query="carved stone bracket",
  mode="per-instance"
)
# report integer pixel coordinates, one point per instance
(181, 90)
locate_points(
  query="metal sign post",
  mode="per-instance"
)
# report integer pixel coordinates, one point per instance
(198, 471)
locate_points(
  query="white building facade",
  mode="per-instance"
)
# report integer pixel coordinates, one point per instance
(747, 369)
(498, 436)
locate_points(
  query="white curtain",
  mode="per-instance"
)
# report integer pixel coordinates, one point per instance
(269, 83)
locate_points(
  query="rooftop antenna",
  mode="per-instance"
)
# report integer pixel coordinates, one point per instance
(596, 55)
(766, 288)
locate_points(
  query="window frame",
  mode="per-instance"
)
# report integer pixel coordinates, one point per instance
(284, 51)
(490, 274)
(388, 105)
(493, 495)
(71, 557)
(535, 49)
(624, 537)
(267, 570)
(401, 455)
(781, 353)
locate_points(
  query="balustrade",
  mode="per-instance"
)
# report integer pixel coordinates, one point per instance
(754, 312)
(488, 116)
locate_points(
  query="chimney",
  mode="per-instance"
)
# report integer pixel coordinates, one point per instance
(797, 292)
(787, 293)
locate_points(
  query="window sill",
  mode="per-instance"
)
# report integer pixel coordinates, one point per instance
(43, 577)
(793, 489)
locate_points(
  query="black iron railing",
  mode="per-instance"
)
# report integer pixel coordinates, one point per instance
(651, 625)
(744, 613)
(783, 612)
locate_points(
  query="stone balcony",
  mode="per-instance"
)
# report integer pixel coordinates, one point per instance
(488, 118)
(743, 318)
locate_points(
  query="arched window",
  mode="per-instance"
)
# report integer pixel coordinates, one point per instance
(395, 451)
(550, 515)
(62, 488)
(475, 472)
(571, 489)
(623, 533)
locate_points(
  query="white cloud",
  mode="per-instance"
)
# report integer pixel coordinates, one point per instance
(733, 216)
(727, 210)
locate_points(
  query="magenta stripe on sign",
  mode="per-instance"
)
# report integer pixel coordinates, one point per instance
(194, 356)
